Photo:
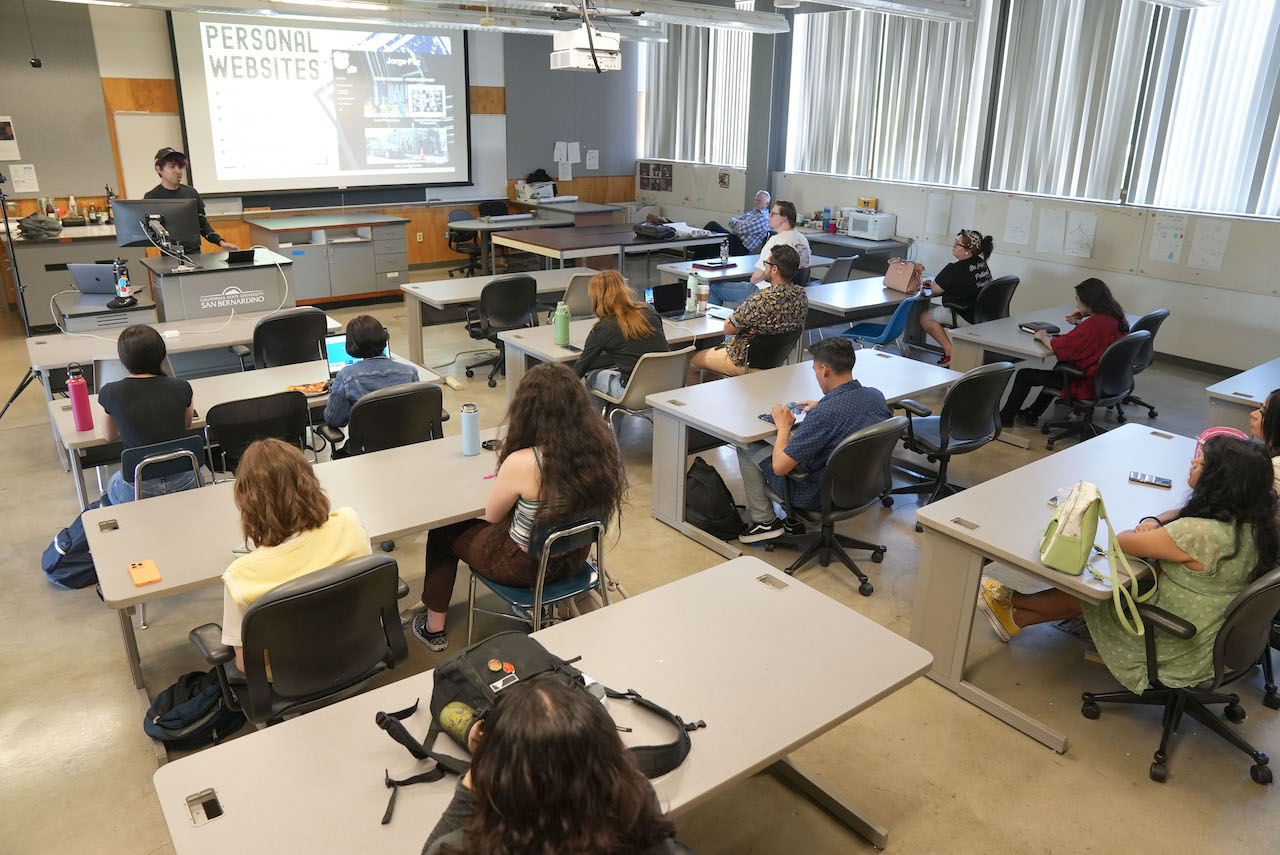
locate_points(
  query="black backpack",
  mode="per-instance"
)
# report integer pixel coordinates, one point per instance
(708, 504)
(67, 562)
(467, 685)
(192, 713)
(654, 231)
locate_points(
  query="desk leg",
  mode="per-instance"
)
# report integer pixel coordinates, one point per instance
(63, 456)
(946, 593)
(876, 834)
(131, 646)
(670, 456)
(965, 356)
(488, 258)
(413, 324)
(77, 478)
(517, 362)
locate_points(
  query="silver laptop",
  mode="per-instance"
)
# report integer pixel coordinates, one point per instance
(93, 278)
(335, 350)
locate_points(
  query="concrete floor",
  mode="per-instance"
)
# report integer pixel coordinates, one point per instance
(75, 768)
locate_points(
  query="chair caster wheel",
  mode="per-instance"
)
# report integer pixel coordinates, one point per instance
(388, 545)
(1260, 774)
(887, 501)
(877, 557)
(1234, 713)
(919, 528)
(1271, 701)
(470, 373)
(1160, 772)
(1153, 414)
(493, 384)
(769, 547)
(1090, 710)
(1122, 419)
(1048, 445)
(866, 589)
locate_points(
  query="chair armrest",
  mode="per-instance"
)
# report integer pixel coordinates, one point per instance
(1066, 369)
(1157, 617)
(240, 350)
(913, 408)
(402, 589)
(208, 640)
(444, 414)
(797, 476)
(330, 433)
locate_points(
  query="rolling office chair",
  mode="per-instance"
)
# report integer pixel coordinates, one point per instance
(545, 543)
(771, 350)
(994, 299)
(654, 373)
(506, 303)
(840, 270)
(1149, 322)
(286, 337)
(1112, 383)
(878, 335)
(1245, 633)
(575, 296)
(856, 478)
(326, 633)
(234, 425)
(494, 208)
(463, 242)
(970, 419)
(803, 276)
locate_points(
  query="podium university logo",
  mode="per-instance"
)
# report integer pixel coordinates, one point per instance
(232, 297)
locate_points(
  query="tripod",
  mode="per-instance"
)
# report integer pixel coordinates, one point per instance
(22, 306)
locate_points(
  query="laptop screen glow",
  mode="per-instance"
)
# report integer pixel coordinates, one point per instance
(335, 348)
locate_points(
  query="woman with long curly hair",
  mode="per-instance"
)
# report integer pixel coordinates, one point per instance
(1205, 553)
(557, 461)
(626, 331)
(285, 514)
(549, 776)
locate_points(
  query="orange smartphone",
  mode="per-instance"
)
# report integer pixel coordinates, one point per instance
(144, 572)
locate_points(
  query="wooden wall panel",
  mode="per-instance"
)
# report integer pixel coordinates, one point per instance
(488, 100)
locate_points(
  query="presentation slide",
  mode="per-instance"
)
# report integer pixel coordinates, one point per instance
(270, 107)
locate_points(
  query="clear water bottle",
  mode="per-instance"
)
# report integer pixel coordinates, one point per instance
(724, 252)
(691, 298)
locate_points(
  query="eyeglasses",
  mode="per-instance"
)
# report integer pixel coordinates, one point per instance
(768, 264)
(775, 213)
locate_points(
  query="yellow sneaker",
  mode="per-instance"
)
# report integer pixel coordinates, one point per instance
(994, 601)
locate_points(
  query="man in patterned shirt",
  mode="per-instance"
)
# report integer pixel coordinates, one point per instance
(779, 308)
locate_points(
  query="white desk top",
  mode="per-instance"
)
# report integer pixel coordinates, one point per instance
(190, 534)
(207, 392)
(59, 350)
(523, 222)
(1249, 388)
(1004, 336)
(539, 341)
(709, 664)
(731, 408)
(743, 267)
(1007, 515)
(819, 236)
(855, 295)
(449, 292)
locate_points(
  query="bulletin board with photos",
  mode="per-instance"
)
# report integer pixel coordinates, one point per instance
(655, 176)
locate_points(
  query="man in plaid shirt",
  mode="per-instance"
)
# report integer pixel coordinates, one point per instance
(747, 231)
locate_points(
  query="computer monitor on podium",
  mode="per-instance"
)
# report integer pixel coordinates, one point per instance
(180, 218)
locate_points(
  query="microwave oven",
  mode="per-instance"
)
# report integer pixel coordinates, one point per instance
(872, 226)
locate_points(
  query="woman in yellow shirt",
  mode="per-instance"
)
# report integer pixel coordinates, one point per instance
(285, 515)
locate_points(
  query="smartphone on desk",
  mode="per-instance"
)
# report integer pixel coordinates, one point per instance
(1151, 480)
(573, 347)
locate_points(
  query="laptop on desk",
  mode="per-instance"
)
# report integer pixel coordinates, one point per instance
(93, 278)
(335, 351)
(669, 300)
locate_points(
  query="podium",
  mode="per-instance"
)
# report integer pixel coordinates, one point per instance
(215, 288)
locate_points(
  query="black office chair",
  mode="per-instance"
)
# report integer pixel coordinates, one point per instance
(1112, 383)
(1149, 322)
(161, 459)
(506, 303)
(970, 419)
(856, 478)
(324, 634)
(840, 270)
(494, 208)
(803, 276)
(765, 351)
(1245, 633)
(994, 299)
(233, 426)
(463, 242)
(286, 338)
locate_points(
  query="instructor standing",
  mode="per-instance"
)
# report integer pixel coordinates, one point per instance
(170, 164)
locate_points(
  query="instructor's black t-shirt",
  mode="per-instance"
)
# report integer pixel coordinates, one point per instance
(186, 191)
(147, 410)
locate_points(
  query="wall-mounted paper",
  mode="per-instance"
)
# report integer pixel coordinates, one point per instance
(593, 158)
(560, 153)
(1053, 227)
(566, 171)
(8, 140)
(937, 213)
(1081, 228)
(1167, 236)
(575, 152)
(1209, 244)
(963, 213)
(24, 178)
(1017, 223)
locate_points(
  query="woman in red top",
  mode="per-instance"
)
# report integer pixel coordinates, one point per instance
(1099, 322)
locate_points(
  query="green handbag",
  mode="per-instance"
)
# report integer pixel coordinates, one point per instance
(1067, 546)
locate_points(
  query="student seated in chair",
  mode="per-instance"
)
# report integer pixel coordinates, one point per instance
(549, 775)
(1204, 554)
(958, 283)
(626, 331)
(779, 308)
(286, 519)
(1264, 423)
(846, 407)
(145, 408)
(366, 341)
(558, 461)
(782, 220)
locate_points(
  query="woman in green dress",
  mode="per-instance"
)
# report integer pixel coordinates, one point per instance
(1205, 554)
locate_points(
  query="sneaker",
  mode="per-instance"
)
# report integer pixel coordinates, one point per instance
(436, 641)
(407, 616)
(1006, 420)
(995, 601)
(1026, 417)
(793, 526)
(763, 531)
(944, 362)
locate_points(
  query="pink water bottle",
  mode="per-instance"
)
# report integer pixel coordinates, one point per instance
(78, 390)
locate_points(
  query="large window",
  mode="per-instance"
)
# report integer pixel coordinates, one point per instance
(694, 92)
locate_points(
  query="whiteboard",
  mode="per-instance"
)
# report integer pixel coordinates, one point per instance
(140, 136)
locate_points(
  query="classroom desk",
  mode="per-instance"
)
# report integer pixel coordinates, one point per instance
(587, 241)
(529, 345)
(573, 211)
(48, 354)
(1003, 520)
(332, 760)
(440, 293)
(484, 229)
(856, 299)
(743, 268)
(190, 535)
(206, 392)
(1232, 400)
(1004, 337)
(730, 409)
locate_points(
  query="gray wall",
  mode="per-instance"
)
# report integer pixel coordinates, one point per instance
(58, 111)
(545, 106)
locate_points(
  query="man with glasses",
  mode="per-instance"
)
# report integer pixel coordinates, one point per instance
(782, 219)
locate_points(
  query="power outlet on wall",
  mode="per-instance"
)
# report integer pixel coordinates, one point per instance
(419, 237)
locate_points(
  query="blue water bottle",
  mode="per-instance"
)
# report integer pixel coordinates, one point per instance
(826, 218)
(470, 430)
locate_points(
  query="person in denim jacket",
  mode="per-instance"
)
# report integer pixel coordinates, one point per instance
(366, 341)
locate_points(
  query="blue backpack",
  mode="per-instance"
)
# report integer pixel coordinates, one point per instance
(192, 713)
(67, 562)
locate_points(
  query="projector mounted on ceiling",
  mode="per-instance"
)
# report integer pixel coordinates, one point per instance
(586, 49)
